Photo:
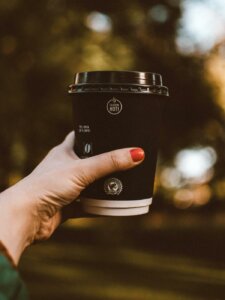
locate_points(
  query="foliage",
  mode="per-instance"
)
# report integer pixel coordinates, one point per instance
(43, 43)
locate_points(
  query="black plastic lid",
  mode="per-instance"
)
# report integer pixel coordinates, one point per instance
(94, 80)
(118, 77)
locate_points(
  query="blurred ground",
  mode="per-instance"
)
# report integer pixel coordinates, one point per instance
(104, 260)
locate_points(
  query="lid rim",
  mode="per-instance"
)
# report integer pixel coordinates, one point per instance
(118, 77)
(128, 83)
(119, 88)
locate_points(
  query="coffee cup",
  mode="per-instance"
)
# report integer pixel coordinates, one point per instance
(113, 110)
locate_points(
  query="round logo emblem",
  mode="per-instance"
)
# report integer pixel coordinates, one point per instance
(114, 106)
(113, 186)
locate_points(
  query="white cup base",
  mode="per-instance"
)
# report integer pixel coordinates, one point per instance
(116, 208)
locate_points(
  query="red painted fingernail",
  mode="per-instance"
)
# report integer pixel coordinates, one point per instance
(137, 154)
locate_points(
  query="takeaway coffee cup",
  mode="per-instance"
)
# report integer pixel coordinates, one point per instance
(113, 110)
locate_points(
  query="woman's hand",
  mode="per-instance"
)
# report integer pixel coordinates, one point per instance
(32, 209)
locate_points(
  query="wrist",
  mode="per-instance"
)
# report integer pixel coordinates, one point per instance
(4, 251)
(17, 227)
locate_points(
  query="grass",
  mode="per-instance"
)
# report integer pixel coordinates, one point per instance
(121, 262)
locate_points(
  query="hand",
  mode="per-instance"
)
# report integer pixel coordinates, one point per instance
(32, 209)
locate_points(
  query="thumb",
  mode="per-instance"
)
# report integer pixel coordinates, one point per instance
(68, 142)
(101, 165)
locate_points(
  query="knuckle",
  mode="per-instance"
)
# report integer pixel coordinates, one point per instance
(114, 160)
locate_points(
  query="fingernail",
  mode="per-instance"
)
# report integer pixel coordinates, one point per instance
(137, 154)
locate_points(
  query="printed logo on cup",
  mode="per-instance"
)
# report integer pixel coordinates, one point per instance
(113, 186)
(87, 148)
(114, 106)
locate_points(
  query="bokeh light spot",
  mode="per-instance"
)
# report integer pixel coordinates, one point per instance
(183, 198)
(196, 162)
(99, 22)
(170, 177)
(194, 197)
(201, 26)
(159, 13)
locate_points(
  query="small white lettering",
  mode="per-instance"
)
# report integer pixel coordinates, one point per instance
(84, 129)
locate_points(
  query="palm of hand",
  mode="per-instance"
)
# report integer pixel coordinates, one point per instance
(57, 181)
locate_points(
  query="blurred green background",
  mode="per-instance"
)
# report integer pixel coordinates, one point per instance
(177, 251)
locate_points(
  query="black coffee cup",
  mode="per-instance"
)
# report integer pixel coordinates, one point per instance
(113, 110)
